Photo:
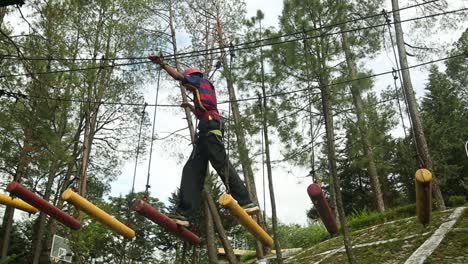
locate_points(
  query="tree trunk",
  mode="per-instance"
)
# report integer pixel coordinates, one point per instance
(210, 233)
(2, 14)
(240, 137)
(188, 116)
(418, 132)
(328, 115)
(361, 123)
(195, 259)
(210, 236)
(52, 226)
(219, 226)
(274, 218)
(23, 163)
(55, 166)
(37, 245)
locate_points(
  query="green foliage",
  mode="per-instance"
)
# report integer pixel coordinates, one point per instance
(9, 259)
(444, 113)
(456, 200)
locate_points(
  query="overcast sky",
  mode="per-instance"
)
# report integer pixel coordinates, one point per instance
(169, 158)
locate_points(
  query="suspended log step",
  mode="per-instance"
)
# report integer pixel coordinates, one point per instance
(100, 215)
(324, 210)
(38, 202)
(146, 210)
(17, 203)
(244, 219)
(423, 183)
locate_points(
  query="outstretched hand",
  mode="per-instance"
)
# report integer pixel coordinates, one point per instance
(155, 59)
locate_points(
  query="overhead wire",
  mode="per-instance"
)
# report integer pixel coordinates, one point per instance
(19, 95)
(235, 49)
(239, 46)
(221, 49)
(299, 32)
(352, 29)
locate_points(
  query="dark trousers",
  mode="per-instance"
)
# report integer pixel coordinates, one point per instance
(208, 147)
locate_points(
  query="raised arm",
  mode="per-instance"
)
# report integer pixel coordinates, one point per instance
(171, 71)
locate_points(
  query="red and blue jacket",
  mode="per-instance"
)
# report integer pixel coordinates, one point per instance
(204, 98)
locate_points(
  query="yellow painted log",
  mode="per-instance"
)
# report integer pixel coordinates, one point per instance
(17, 203)
(98, 214)
(423, 182)
(244, 219)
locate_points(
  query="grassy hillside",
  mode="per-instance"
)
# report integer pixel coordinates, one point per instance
(394, 242)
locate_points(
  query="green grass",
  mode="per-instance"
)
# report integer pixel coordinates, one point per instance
(407, 234)
(392, 252)
(453, 249)
(365, 218)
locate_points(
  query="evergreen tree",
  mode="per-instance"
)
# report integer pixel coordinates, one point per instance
(444, 113)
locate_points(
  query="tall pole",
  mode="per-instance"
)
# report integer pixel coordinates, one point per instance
(420, 139)
(279, 258)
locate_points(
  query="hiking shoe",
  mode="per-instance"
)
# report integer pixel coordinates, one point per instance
(180, 219)
(251, 208)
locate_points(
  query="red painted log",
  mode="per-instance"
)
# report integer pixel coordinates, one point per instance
(161, 219)
(33, 199)
(326, 214)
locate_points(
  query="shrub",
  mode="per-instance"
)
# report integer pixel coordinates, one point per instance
(456, 200)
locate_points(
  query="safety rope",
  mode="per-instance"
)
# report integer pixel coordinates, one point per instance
(132, 193)
(397, 62)
(152, 138)
(138, 147)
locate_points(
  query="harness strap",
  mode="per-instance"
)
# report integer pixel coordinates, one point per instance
(216, 132)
